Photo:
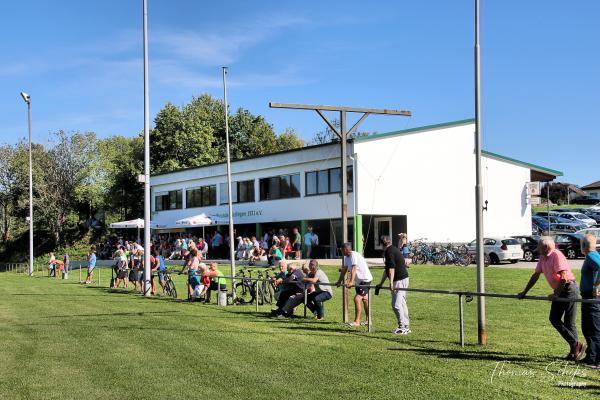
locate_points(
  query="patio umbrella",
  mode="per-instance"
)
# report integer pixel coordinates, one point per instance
(132, 224)
(196, 220)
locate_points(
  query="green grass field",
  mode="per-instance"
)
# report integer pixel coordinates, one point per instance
(63, 340)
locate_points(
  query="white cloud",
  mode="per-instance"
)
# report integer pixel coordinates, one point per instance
(224, 46)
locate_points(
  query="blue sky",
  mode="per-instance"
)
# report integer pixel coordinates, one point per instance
(81, 62)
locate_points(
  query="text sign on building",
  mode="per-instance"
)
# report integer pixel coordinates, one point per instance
(535, 201)
(533, 189)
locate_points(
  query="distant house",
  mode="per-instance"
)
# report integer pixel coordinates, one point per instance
(593, 189)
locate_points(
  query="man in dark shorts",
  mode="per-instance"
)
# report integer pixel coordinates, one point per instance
(396, 271)
(355, 264)
(297, 244)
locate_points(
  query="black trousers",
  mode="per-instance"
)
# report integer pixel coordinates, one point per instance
(590, 326)
(285, 296)
(292, 302)
(564, 314)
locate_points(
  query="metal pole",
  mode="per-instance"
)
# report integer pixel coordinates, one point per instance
(344, 160)
(256, 295)
(462, 321)
(305, 300)
(30, 191)
(482, 335)
(146, 159)
(369, 312)
(548, 207)
(219, 292)
(229, 200)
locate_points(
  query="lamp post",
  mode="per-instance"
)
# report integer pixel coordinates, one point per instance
(229, 199)
(481, 328)
(147, 285)
(27, 99)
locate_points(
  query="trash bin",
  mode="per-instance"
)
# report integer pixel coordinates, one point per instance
(222, 298)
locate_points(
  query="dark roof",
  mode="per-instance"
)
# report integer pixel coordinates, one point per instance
(593, 185)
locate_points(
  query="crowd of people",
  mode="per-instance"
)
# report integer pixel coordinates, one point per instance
(272, 246)
(291, 281)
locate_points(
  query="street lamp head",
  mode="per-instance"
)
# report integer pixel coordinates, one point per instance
(25, 97)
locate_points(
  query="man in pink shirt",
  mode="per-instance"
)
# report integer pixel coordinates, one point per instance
(557, 271)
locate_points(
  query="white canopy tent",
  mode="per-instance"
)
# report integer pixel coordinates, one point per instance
(132, 224)
(196, 220)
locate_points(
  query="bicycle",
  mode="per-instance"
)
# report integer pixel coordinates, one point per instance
(266, 287)
(170, 289)
(245, 292)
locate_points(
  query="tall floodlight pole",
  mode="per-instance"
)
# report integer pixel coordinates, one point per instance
(343, 133)
(229, 199)
(27, 99)
(147, 286)
(479, 190)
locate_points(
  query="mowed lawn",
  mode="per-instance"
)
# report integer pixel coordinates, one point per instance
(63, 340)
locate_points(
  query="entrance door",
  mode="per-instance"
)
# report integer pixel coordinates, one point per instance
(336, 235)
(383, 227)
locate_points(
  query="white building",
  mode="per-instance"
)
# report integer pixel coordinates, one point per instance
(420, 181)
(593, 189)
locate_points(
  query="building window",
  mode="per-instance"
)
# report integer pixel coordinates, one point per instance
(171, 200)
(241, 192)
(280, 187)
(326, 181)
(203, 196)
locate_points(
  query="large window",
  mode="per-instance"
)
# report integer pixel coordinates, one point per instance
(280, 187)
(203, 196)
(171, 200)
(326, 181)
(241, 192)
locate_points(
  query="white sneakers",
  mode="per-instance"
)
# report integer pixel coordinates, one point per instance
(402, 330)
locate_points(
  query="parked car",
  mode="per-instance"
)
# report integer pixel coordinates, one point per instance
(569, 244)
(593, 231)
(577, 216)
(567, 225)
(499, 249)
(529, 244)
(539, 225)
(593, 214)
(545, 213)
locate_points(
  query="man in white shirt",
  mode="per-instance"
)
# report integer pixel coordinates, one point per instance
(359, 276)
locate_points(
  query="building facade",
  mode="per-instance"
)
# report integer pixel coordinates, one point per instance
(419, 181)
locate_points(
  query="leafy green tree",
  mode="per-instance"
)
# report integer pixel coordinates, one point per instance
(194, 135)
(123, 162)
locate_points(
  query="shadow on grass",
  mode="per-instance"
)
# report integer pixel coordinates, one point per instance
(115, 314)
(462, 354)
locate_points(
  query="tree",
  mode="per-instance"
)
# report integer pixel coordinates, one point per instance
(194, 135)
(69, 177)
(558, 192)
(123, 162)
(328, 135)
(8, 182)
